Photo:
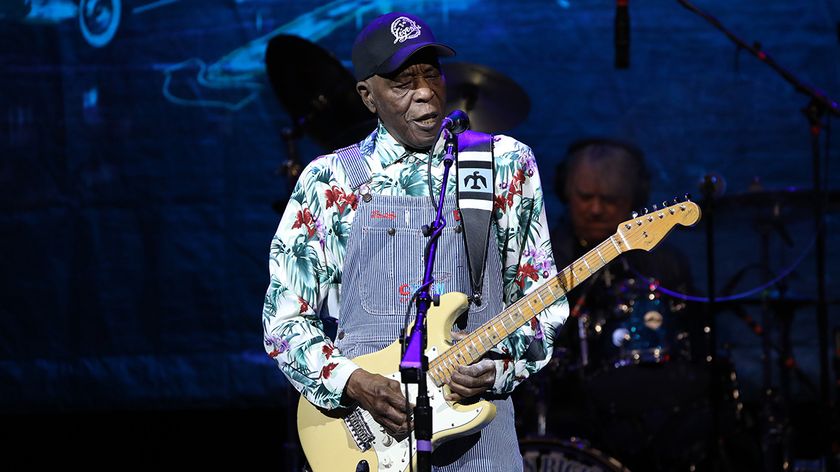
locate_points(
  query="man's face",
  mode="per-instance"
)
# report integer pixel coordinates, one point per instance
(600, 199)
(410, 102)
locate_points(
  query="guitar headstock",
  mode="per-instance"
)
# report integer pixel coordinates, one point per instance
(647, 230)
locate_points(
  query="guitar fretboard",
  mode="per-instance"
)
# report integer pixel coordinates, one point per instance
(486, 336)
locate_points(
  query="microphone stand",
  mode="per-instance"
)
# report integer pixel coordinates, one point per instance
(819, 105)
(415, 363)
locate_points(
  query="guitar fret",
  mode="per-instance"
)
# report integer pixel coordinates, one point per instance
(615, 245)
(586, 264)
(456, 359)
(497, 334)
(469, 356)
(598, 251)
(474, 346)
(433, 373)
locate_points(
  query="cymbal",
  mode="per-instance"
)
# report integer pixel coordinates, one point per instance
(493, 101)
(317, 91)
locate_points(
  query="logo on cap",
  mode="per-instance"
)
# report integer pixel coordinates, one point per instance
(404, 28)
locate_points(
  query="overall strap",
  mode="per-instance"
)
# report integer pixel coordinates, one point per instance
(476, 176)
(354, 165)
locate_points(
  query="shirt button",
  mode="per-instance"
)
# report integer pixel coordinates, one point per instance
(392, 231)
(366, 197)
(458, 229)
(341, 334)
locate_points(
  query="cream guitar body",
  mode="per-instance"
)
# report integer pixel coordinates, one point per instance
(338, 441)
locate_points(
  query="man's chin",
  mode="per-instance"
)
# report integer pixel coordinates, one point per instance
(421, 143)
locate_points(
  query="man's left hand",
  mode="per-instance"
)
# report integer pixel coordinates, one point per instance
(471, 380)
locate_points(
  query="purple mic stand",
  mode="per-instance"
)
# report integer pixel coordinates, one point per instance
(414, 363)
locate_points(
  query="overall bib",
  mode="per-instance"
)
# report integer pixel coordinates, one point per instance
(382, 270)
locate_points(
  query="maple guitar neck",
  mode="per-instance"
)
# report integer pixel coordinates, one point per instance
(641, 232)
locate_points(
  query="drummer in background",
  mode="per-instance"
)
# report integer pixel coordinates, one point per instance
(602, 181)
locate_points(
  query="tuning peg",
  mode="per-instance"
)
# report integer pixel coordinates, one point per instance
(676, 200)
(687, 197)
(635, 214)
(664, 204)
(644, 211)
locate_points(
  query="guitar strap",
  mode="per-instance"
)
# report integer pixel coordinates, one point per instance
(475, 175)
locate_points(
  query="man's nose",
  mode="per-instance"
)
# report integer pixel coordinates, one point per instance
(423, 90)
(596, 206)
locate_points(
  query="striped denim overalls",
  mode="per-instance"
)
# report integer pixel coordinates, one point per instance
(382, 269)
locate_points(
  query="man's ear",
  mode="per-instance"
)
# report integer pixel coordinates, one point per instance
(363, 88)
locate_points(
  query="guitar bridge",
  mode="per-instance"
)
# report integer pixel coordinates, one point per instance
(359, 429)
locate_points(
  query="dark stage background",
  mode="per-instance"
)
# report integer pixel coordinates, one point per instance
(139, 168)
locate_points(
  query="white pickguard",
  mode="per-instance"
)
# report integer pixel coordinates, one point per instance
(393, 456)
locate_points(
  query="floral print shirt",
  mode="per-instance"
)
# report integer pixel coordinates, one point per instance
(308, 249)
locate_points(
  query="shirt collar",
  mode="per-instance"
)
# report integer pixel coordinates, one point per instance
(388, 150)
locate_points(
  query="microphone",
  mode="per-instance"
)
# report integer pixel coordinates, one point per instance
(622, 35)
(456, 122)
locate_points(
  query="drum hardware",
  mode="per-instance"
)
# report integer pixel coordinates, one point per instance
(319, 94)
(493, 101)
(819, 105)
(555, 455)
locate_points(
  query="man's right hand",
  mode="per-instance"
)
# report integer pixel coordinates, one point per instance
(382, 398)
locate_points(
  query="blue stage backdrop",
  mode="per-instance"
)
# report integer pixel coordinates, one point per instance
(141, 141)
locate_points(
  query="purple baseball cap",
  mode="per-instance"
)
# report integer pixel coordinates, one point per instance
(389, 40)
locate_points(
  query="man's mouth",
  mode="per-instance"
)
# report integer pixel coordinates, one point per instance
(427, 121)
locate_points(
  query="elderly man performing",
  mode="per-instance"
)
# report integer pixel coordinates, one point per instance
(350, 246)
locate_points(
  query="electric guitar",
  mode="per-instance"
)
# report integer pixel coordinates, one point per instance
(338, 440)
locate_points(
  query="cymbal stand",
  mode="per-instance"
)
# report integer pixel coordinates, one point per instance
(290, 168)
(775, 441)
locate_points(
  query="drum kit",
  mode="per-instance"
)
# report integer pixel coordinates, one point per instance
(625, 387)
(630, 373)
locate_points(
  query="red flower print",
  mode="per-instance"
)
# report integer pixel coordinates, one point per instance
(352, 200)
(304, 218)
(499, 203)
(516, 184)
(304, 306)
(274, 353)
(526, 270)
(506, 358)
(332, 194)
(325, 372)
(327, 350)
(336, 196)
